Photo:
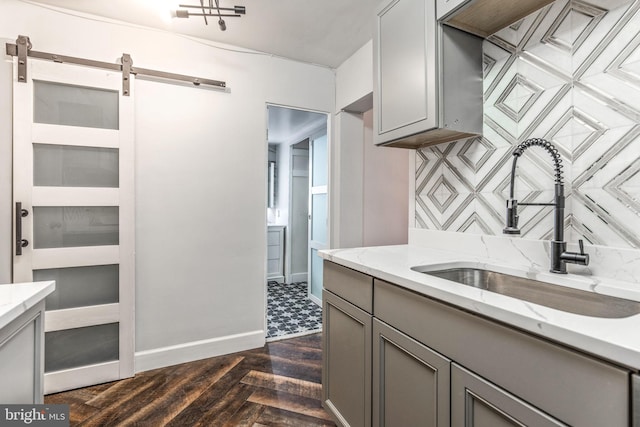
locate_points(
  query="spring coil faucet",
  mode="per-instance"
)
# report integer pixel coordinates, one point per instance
(559, 255)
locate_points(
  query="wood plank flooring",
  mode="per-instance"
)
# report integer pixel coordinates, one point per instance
(277, 385)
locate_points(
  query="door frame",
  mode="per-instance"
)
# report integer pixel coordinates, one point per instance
(266, 171)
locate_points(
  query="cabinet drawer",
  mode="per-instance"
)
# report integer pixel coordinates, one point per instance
(353, 286)
(574, 388)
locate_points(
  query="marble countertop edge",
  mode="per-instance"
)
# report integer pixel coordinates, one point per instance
(615, 340)
(18, 298)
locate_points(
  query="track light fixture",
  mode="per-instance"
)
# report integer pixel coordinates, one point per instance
(212, 10)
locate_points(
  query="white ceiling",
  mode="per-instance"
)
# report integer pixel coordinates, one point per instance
(324, 32)
(290, 125)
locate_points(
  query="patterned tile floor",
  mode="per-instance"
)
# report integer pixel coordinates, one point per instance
(290, 312)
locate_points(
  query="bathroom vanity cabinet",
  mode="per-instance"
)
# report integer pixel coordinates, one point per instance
(275, 252)
(427, 78)
(395, 357)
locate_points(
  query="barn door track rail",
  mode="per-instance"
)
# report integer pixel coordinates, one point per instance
(22, 49)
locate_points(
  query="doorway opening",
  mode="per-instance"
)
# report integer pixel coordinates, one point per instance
(297, 218)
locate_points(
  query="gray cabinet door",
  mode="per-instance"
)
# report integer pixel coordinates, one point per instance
(476, 402)
(346, 374)
(410, 381)
(405, 69)
(22, 358)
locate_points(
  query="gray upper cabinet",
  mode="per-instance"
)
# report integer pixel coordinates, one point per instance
(427, 78)
(485, 17)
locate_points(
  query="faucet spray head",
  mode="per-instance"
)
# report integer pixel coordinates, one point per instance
(512, 218)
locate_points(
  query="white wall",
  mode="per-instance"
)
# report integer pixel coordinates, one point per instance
(370, 185)
(354, 77)
(348, 184)
(201, 159)
(386, 191)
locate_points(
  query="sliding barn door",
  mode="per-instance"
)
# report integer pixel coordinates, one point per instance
(74, 197)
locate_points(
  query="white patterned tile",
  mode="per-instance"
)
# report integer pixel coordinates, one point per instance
(541, 73)
(428, 163)
(550, 40)
(614, 151)
(496, 62)
(588, 107)
(494, 176)
(529, 24)
(612, 102)
(604, 216)
(611, 4)
(468, 220)
(545, 119)
(496, 169)
(492, 210)
(501, 122)
(611, 36)
(501, 83)
(508, 35)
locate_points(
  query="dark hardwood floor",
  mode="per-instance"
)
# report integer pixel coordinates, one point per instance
(277, 385)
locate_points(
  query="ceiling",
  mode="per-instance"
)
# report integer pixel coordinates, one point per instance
(290, 125)
(323, 32)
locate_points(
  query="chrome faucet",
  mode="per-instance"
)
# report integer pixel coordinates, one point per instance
(559, 255)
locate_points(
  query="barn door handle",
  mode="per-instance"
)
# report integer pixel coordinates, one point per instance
(20, 242)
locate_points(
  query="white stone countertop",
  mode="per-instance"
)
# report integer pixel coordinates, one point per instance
(617, 340)
(16, 299)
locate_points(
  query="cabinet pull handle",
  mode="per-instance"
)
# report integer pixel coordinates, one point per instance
(20, 242)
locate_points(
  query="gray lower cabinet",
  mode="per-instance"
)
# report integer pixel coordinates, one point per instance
(346, 374)
(397, 358)
(22, 358)
(475, 402)
(410, 381)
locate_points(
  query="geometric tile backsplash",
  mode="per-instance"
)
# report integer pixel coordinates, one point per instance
(569, 73)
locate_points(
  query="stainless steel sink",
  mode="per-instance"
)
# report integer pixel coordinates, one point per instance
(553, 296)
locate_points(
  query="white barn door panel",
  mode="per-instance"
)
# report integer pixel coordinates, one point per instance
(74, 196)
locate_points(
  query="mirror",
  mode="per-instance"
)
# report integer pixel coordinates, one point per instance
(271, 197)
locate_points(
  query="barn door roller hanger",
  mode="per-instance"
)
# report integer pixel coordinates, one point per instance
(22, 49)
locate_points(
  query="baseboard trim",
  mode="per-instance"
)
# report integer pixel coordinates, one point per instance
(298, 277)
(197, 350)
(294, 335)
(315, 300)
